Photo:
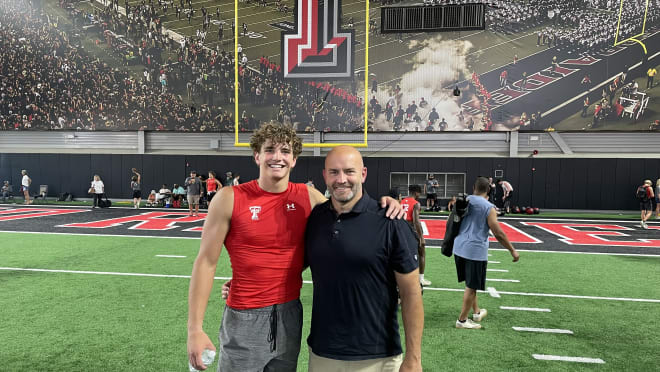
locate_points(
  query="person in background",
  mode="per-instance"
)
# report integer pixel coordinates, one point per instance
(412, 207)
(151, 199)
(136, 186)
(471, 251)
(229, 179)
(98, 189)
(237, 180)
(657, 198)
(645, 204)
(177, 195)
(451, 204)
(507, 190)
(194, 188)
(212, 185)
(26, 181)
(6, 191)
(431, 189)
(164, 195)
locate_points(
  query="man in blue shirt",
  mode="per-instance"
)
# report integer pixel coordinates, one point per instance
(471, 251)
(358, 258)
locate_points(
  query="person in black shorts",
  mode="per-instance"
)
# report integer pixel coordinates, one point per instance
(645, 203)
(431, 187)
(471, 251)
(136, 187)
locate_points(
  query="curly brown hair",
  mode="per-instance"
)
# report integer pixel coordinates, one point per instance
(277, 133)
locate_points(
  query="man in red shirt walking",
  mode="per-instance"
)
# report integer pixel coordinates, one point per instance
(262, 225)
(412, 208)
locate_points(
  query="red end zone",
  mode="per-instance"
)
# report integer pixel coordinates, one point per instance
(21, 213)
(435, 229)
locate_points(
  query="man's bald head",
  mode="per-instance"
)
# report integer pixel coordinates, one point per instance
(346, 153)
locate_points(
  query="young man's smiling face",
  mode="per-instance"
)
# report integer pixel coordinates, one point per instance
(275, 160)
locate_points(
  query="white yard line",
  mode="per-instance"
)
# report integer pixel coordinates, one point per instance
(537, 309)
(169, 256)
(543, 330)
(494, 262)
(568, 359)
(493, 292)
(498, 270)
(503, 280)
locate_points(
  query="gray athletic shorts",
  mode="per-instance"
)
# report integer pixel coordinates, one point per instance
(193, 199)
(265, 339)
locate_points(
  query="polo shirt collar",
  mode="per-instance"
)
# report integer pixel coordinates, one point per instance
(361, 206)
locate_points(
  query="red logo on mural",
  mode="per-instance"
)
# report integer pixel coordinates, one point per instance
(436, 230)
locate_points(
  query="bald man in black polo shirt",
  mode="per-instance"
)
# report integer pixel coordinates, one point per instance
(357, 259)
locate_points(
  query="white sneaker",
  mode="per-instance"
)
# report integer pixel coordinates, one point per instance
(643, 225)
(479, 317)
(425, 282)
(468, 324)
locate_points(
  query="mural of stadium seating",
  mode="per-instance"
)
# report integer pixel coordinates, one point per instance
(188, 66)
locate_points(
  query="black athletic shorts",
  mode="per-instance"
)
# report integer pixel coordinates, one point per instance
(646, 205)
(473, 273)
(431, 196)
(137, 194)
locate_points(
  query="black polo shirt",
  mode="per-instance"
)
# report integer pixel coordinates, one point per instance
(353, 257)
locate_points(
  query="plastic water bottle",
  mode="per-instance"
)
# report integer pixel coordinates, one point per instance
(208, 356)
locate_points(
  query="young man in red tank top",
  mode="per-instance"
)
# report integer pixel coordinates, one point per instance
(262, 225)
(412, 207)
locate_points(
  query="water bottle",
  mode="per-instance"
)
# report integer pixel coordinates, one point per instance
(208, 356)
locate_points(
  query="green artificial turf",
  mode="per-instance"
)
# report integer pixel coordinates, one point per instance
(85, 322)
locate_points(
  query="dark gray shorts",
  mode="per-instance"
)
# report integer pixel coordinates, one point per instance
(472, 272)
(247, 343)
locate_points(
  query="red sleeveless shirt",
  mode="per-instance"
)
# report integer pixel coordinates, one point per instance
(408, 205)
(266, 244)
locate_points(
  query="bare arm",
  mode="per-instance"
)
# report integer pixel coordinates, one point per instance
(412, 312)
(214, 233)
(315, 196)
(500, 235)
(137, 174)
(418, 224)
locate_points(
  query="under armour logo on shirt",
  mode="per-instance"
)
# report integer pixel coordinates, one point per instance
(290, 207)
(255, 212)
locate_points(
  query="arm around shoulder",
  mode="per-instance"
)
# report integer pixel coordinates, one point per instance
(315, 196)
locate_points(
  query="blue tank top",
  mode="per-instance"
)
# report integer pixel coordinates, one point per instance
(472, 239)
